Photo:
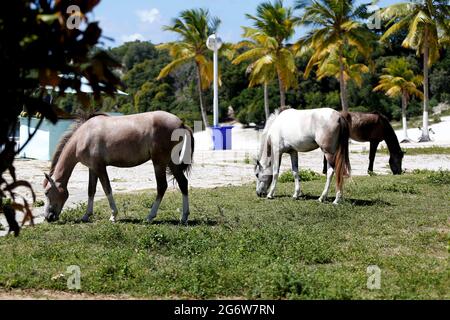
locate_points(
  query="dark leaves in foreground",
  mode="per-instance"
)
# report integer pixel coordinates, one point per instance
(44, 44)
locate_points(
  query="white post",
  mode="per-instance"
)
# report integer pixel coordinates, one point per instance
(216, 87)
(214, 43)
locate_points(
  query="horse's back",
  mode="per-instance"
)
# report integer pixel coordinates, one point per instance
(305, 130)
(126, 141)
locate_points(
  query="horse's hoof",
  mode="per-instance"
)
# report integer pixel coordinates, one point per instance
(270, 197)
(336, 202)
(85, 218)
(184, 222)
(321, 200)
(150, 219)
(112, 219)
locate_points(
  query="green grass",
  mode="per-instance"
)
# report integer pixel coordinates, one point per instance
(305, 175)
(240, 246)
(417, 151)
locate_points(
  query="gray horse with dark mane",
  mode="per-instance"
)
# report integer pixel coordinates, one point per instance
(100, 141)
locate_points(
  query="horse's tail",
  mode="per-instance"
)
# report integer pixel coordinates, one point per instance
(342, 159)
(188, 146)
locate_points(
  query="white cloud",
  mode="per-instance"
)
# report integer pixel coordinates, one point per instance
(133, 37)
(148, 16)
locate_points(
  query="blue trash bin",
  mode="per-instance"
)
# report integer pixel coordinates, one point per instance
(222, 137)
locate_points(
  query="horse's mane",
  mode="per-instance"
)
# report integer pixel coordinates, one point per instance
(81, 118)
(265, 132)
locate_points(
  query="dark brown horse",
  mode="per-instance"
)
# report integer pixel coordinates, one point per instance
(374, 128)
(124, 141)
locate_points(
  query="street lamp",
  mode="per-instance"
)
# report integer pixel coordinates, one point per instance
(214, 43)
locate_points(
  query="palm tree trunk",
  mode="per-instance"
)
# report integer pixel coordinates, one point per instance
(200, 97)
(405, 125)
(266, 101)
(342, 84)
(282, 92)
(426, 51)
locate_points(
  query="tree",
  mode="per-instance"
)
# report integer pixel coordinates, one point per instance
(194, 27)
(399, 80)
(353, 70)
(336, 29)
(263, 69)
(428, 28)
(41, 46)
(267, 49)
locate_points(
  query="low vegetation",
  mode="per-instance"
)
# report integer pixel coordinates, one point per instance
(418, 151)
(237, 245)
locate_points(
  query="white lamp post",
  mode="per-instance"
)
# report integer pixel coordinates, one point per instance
(214, 43)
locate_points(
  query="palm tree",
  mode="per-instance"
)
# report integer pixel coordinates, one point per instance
(353, 70)
(262, 70)
(335, 29)
(427, 25)
(273, 25)
(194, 27)
(399, 80)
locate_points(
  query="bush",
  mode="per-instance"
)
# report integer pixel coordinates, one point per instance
(305, 175)
(439, 177)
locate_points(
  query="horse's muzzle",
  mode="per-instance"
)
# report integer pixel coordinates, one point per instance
(261, 194)
(52, 217)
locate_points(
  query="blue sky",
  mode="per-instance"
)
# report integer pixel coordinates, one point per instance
(142, 19)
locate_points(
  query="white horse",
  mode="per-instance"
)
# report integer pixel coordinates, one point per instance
(293, 131)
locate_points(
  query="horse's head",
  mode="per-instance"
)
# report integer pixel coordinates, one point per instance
(395, 162)
(263, 179)
(56, 198)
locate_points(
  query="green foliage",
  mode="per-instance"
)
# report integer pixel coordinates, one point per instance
(37, 51)
(305, 175)
(249, 247)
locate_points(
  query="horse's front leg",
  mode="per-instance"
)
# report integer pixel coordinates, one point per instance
(372, 153)
(330, 173)
(294, 161)
(106, 184)
(275, 173)
(91, 194)
(161, 185)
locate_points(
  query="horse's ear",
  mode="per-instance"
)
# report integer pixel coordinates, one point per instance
(47, 180)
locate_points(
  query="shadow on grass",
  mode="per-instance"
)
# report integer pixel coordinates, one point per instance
(139, 221)
(354, 202)
(174, 222)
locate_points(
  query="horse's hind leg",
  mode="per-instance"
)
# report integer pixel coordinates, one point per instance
(183, 184)
(161, 185)
(104, 179)
(330, 173)
(294, 162)
(325, 165)
(373, 151)
(91, 193)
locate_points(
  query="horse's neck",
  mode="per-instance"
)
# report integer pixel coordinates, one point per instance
(391, 139)
(66, 163)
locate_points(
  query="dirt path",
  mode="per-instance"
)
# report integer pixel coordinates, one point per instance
(56, 295)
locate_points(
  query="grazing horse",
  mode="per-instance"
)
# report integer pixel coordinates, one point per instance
(374, 127)
(293, 131)
(124, 141)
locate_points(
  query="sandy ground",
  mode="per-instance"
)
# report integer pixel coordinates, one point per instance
(57, 295)
(221, 168)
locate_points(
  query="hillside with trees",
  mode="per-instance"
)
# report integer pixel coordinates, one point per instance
(315, 82)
